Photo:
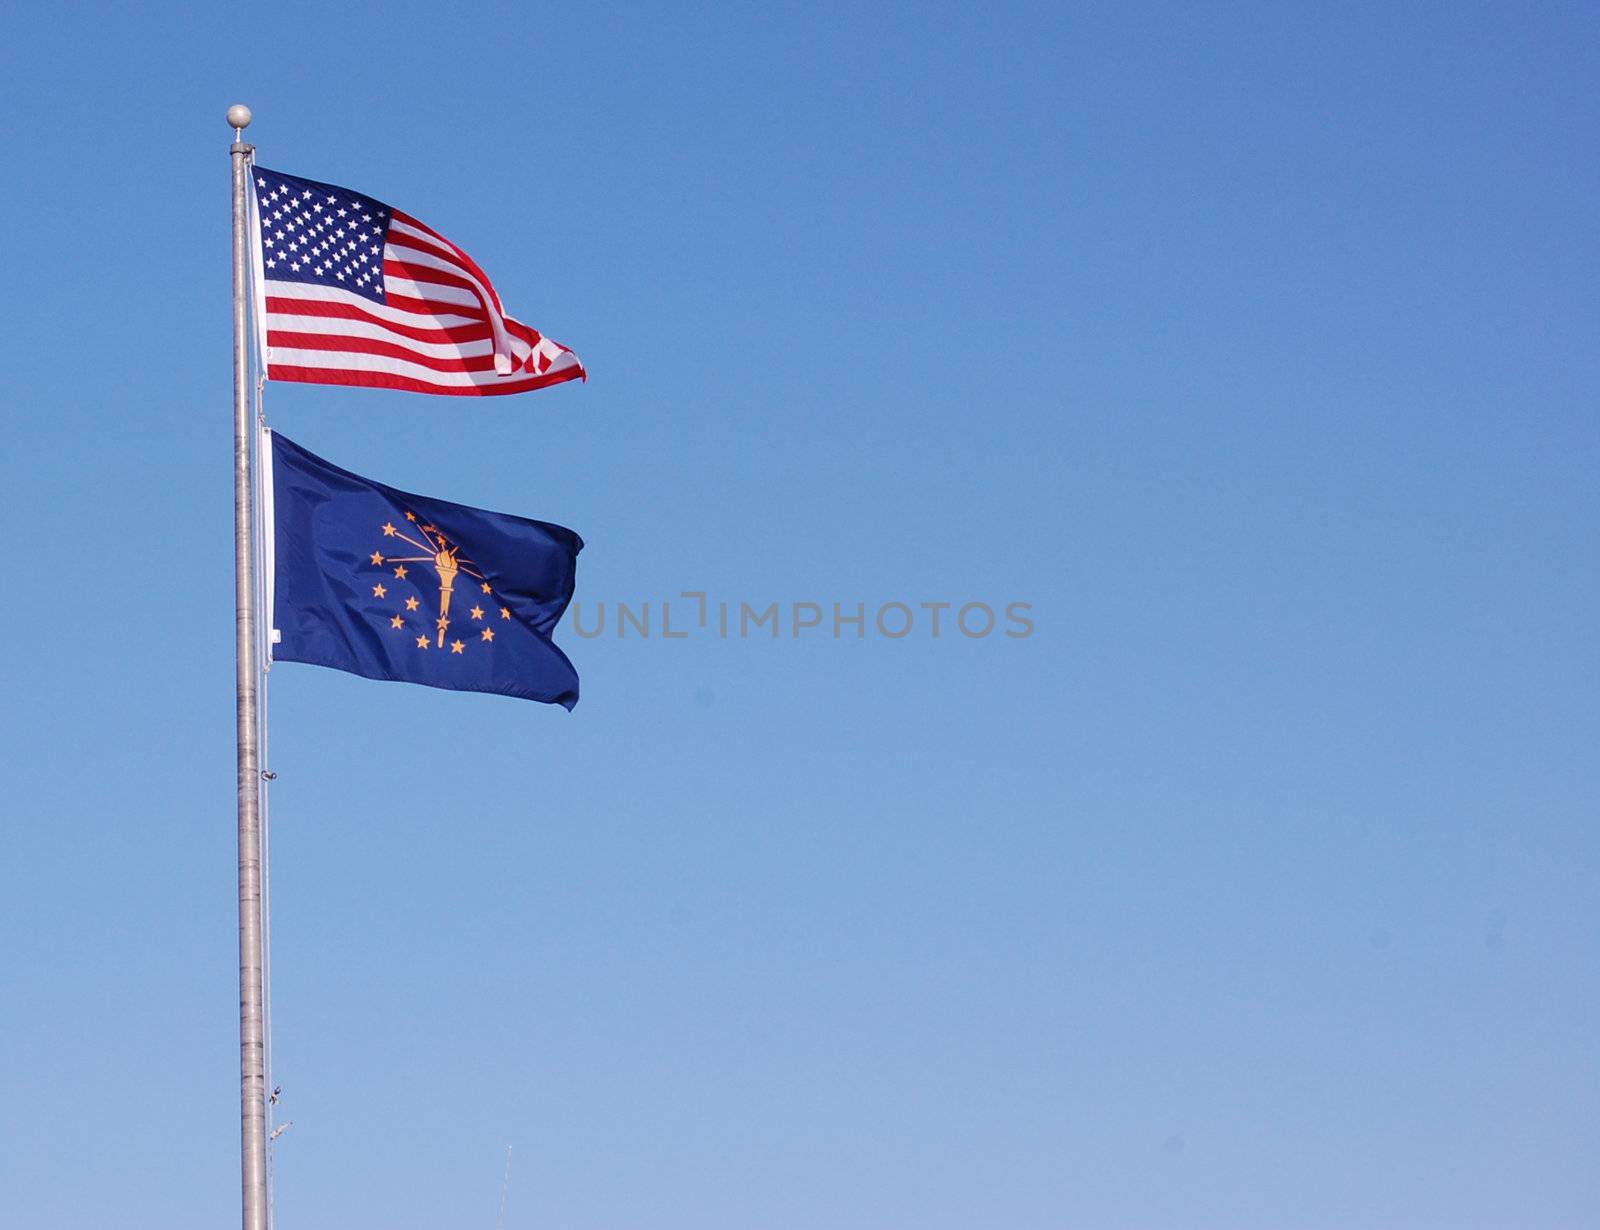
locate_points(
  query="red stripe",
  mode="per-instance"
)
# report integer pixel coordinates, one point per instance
(434, 307)
(324, 310)
(384, 380)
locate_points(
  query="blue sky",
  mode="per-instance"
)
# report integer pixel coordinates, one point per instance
(1252, 347)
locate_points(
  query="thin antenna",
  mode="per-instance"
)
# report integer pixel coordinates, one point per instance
(505, 1186)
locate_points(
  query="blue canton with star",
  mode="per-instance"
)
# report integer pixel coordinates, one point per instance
(321, 234)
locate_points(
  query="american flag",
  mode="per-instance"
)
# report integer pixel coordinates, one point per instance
(352, 291)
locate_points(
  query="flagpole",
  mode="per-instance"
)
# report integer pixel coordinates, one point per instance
(252, 1055)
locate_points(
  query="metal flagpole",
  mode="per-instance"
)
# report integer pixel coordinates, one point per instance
(252, 1060)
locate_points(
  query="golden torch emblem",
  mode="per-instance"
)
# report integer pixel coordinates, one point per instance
(448, 563)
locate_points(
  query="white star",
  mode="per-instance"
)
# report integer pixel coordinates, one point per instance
(295, 265)
(340, 276)
(342, 212)
(267, 242)
(306, 195)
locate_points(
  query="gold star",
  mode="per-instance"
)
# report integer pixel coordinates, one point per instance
(377, 559)
(422, 642)
(378, 591)
(388, 529)
(457, 647)
(411, 516)
(488, 634)
(477, 612)
(441, 623)
(504, 614)
(397, 622)
(411, 604)
(486, 587)
(400, 571)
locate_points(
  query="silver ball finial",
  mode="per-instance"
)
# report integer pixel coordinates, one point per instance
(239, 116)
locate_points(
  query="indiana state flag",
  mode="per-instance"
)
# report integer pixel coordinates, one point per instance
(367, 579)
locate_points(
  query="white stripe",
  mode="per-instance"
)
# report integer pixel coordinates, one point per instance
(397, 284)
(335, 327)
(279, 357)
